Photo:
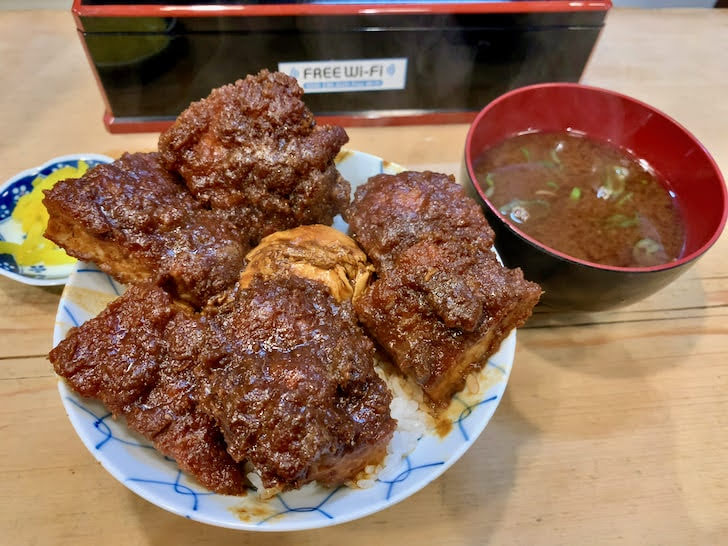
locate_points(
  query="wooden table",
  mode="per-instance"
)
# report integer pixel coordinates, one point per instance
(614, 427)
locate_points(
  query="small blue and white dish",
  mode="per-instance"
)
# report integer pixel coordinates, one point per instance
(38, 274)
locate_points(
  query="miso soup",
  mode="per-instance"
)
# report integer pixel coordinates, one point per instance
(585, 198)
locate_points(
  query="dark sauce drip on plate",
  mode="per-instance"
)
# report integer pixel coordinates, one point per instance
(585, 198)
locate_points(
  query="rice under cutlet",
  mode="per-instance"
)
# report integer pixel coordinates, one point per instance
(138, 222)
(137, 357)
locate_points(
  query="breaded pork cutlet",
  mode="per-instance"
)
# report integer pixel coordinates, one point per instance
(443, 310)
(275, 372)
(442, 303)
(253, 151)
(139, 223)
(297, 395)
(137, 357)
(391, 213)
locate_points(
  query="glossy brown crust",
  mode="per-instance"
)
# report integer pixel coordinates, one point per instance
(443, 310)
(442, 303)
(296, 394)
(137, 358)
(391, 212)
(253, 151)
(138, 222)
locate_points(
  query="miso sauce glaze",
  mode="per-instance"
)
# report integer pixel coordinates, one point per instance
(585, 198)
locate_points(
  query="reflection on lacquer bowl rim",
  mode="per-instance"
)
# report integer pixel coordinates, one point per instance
(574, 284)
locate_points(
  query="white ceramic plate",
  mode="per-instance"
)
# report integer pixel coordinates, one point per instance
(39, 274)
(135, 463)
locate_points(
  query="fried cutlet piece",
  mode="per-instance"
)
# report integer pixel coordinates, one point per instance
(138, 222)
(442, 303)
(137, 357)
(315, 252)
(252, 151)
(297, 394)
(443, 310)
(391, 212)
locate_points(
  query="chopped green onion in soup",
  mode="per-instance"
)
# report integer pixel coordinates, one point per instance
(584, 197)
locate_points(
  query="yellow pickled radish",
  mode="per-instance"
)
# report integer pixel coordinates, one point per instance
(32, 216)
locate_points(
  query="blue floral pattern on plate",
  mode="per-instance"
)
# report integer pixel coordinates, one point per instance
(10, 192)
(132, 460)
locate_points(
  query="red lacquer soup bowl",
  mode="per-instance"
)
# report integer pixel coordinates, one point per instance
(574, 284)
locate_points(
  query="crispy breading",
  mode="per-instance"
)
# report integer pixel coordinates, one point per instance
(139, 223)
(137, 357)
(297, 394)
(253, 151)
(442, 303)
(275, 370)
(390, 213)
(443, 310)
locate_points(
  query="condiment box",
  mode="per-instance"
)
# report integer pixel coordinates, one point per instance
(372, 63)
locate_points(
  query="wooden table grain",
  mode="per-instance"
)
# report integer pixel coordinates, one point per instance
(614, 427)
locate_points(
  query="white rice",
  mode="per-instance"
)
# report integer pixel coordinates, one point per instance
(413, 420)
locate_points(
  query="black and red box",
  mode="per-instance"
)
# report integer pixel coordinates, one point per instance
(360, 63)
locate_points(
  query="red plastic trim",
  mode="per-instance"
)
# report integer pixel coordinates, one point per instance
(425, 118)
(121, 126)
(172, 10)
